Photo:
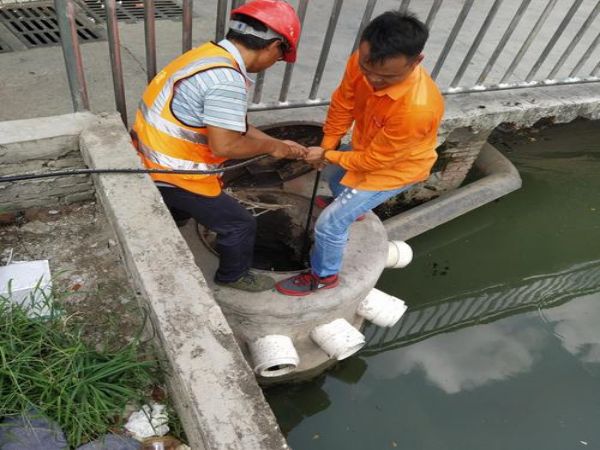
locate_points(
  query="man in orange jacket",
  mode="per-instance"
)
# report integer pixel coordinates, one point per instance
(193, 116)
(396, 109)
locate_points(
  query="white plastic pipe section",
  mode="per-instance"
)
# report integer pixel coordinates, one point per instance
(273, 355)
(339, 339)
(382, 309)
(399, 255)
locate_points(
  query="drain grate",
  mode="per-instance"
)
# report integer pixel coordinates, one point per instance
(133, 10)
(36, 25)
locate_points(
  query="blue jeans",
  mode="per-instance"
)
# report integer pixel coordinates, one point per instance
(331, 229)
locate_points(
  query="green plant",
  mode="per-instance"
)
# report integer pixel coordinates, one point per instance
(45, 366)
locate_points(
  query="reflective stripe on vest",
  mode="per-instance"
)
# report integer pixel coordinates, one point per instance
(153, 118)
(173, 163)
(163, 96)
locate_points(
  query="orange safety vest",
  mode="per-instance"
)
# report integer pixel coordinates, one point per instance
(164, 142)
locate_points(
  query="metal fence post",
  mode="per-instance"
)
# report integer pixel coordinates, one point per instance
(150, 38)
(114, 46)
(186, 32)
(65, 12)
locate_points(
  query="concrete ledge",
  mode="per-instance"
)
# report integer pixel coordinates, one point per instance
(499, 178)
(216, 394)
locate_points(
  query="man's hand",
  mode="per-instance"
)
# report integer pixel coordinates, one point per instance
(290, 150)
(316, 157)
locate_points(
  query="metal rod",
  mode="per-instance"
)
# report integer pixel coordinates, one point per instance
(289, 67)
(258, 87)
(335, 14)
(505, 37)
(65, 13)
(484, 27)
(306, 246)
(435, 7)
(585, 56)
(366, 18)
(150, 37)
(404, 6)
(186, 25)
(532, 35)
(114, 46)
(575, 41)
(450, 42)
(568, 16)
(221, 20)
(596, 70)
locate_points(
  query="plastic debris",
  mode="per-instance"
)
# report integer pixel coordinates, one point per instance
(148, 421)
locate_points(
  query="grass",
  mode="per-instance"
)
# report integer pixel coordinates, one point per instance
(45, 366)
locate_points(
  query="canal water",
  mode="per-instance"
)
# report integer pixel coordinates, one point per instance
(500, 347)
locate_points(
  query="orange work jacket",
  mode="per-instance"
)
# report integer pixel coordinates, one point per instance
(395, 129)
(163, 141)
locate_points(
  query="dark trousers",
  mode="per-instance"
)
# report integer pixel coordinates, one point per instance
(234, 225)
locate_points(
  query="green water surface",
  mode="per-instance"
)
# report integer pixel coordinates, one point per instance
(504, 352)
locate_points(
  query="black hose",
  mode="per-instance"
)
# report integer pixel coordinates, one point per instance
(64, 173)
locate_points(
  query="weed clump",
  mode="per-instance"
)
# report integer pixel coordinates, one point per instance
(46, 367)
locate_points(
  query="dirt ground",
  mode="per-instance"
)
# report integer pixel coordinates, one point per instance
(86, 268)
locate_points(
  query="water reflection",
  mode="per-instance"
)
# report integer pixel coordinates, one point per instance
(536, 292)
(467, 358)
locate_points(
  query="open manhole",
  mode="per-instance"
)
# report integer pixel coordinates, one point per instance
(133, 10)
(36, 25)
(280, 240)
(270, 172)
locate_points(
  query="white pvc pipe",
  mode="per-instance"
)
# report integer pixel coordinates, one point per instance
(338, 339)
(273, 355)
(399, 255)
(381, 309)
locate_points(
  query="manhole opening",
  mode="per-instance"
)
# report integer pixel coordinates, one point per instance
(270, 172)
(36, 25)
(280, 218)
(133, 10)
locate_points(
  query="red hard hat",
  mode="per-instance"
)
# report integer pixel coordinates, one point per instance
(280, 17)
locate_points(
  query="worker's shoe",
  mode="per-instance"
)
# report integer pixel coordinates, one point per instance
(323, 201)
(306, 283)
(250, 282)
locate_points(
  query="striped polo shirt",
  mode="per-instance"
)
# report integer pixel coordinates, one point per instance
(217, 97)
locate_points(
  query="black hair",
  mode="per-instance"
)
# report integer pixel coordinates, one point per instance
(394, 33)
(249, 41)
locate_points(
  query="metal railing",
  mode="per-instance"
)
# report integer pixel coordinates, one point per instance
(486, 305)
(487, 64)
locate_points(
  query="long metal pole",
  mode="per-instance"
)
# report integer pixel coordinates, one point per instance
(529, 40)
(65, 12)
(258, 87)
(450, 42)
(505, 37)
(186, 25)
(364, 22)
(221, 20)
(150, 37)
(568, 16)
(306, 246)
(114, 45)
(484, 27)
(335, 14)
(575, 41)
(289, 67)
(585, 56)
(435, 7)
